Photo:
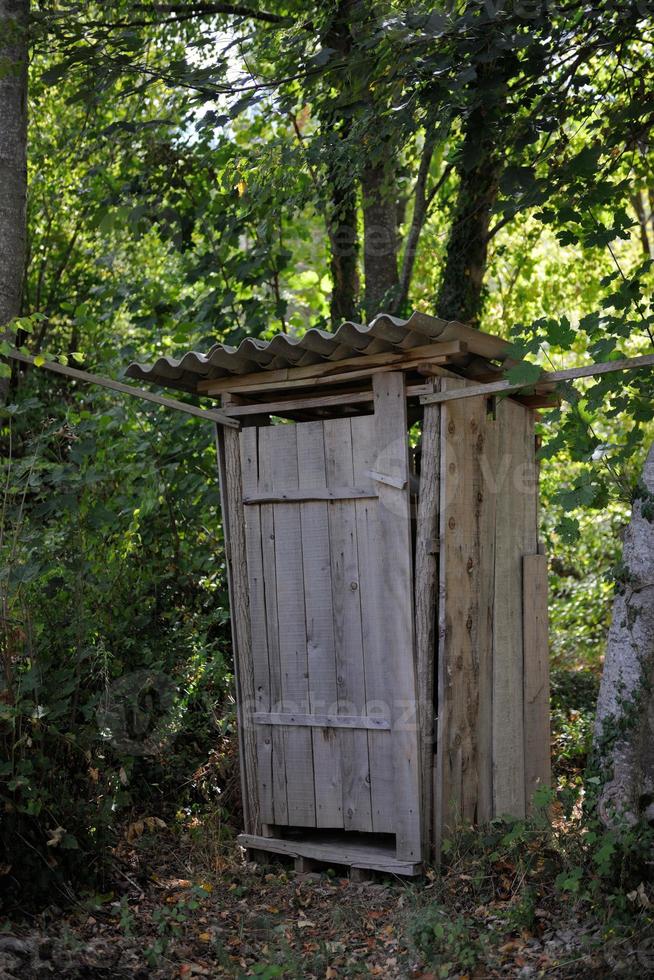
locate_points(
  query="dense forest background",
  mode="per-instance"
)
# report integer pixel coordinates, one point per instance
(203, 172)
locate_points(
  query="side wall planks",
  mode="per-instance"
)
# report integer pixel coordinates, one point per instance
(488, 524)
(463, 776)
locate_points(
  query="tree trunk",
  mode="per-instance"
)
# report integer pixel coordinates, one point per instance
(644, 221)
(380, 245)
(460, 293)
(624, 728)
(342, 182)
(343, 262)
(13, 162)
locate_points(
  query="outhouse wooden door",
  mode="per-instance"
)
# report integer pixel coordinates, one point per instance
(329, 561)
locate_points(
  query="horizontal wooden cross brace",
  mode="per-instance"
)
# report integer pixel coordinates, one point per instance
(321, 721)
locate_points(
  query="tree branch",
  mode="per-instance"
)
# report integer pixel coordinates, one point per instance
(422, 202)
(180, 12)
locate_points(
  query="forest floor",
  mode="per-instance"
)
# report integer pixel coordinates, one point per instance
(523, 899)
(245, 920)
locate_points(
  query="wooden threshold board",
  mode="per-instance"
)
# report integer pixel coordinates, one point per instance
(334, 849)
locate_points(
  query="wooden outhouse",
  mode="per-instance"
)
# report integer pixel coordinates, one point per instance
(388, 591)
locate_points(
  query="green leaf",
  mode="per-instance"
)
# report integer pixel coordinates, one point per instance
(560, 333)
(524, 373)
(568, 528)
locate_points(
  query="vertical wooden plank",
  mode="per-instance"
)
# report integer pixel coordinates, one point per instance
(515, 537)
(536, 674)
(425, 588)
(267, 518)
(229, 463)
(321, 651)
(391, 433)
(376, 663)
(258, 621)
(292, 627)
(488, 460)
(346, 603)
(463, 772)
(537, 680)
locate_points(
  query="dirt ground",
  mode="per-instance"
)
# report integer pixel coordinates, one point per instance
(267, 921)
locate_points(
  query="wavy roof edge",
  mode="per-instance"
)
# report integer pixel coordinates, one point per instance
(384, 333)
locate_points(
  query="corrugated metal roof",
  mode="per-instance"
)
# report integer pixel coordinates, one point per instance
(384, 333)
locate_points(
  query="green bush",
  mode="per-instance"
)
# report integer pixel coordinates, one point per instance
(114, 634)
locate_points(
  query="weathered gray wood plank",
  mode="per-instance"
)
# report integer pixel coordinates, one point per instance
(376, 662)
(322, 721)
(234, 532)
(426, 604)
(321, 651)
(463, 772)
(304, 493)
(391, 434)
(346, 605)
(537, 681)
(292, 626)
(514, 528)
(258, 622)
(335, 852)
(267, 520)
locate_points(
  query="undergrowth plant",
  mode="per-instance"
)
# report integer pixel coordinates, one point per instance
(514, 880)
(113, 638)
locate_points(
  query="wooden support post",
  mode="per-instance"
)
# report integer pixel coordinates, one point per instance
(303, 865)
(397, 627)
(257, 856)
(360, 875)
(229, 464)
(426, 583)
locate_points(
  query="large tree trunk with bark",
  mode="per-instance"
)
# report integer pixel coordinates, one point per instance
(13, 161)
(481, 162)
(460, 293)
(341, 179)
(380, 247)
(624, 729)
(344, 245)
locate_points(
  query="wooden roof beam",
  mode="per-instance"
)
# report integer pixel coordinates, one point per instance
(333, 372)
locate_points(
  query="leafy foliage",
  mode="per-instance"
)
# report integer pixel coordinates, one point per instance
(112, 570)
